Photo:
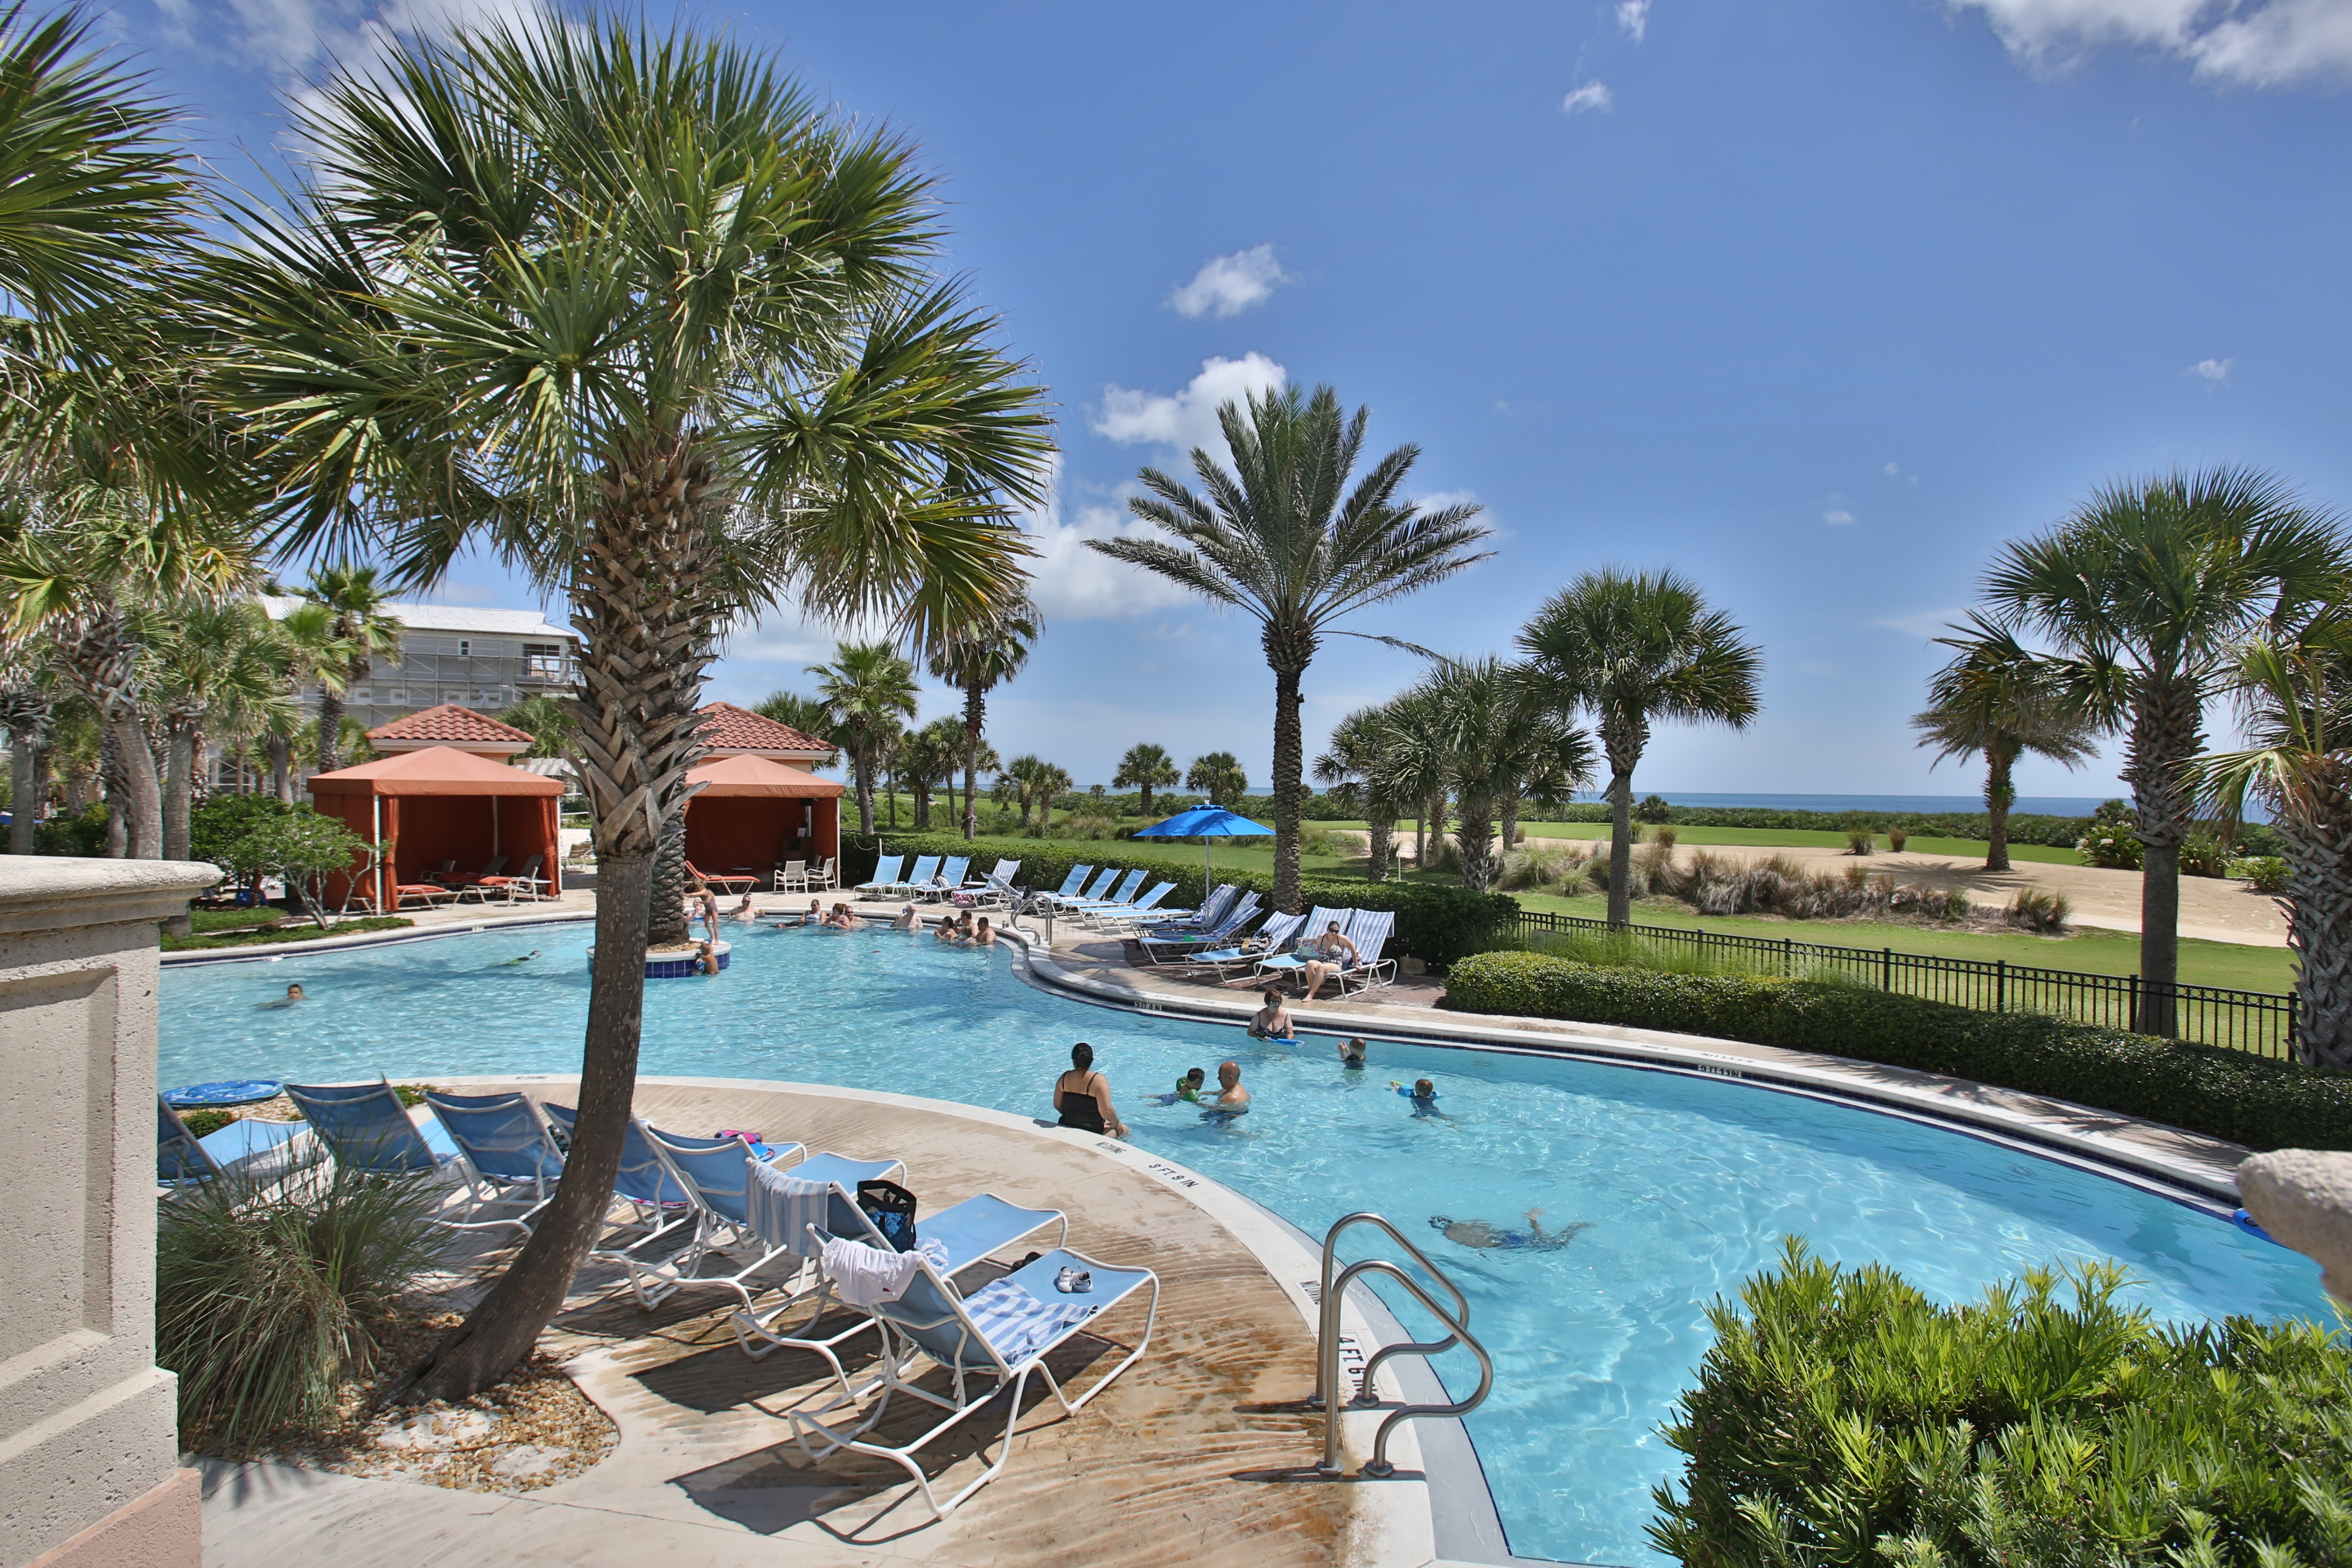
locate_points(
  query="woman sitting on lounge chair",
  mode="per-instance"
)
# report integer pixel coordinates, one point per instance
(1334, 955)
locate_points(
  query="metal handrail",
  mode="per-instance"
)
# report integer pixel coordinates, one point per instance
(1327, 1358)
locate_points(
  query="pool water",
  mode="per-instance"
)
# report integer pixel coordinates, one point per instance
(1682, 1186)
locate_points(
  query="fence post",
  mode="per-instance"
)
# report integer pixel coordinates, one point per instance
(1788, 956)
(2293, 1050)
(1886, 969)
(2000, 985)
(2133, 1025)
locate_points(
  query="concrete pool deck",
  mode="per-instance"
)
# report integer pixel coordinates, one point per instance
(1162, 1467)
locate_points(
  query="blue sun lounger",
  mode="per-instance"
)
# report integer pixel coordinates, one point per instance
(511, 1153)
(886, 875)
(717, 1176)
(246, 1147)
(989, 1342)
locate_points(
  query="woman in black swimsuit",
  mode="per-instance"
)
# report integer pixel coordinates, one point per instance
(1083, 1096)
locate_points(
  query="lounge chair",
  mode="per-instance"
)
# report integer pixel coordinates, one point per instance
(1063, 903)
(1161, 944)
(246, 1146)
(791, 876)
(886, 875)
(525, 883)
(509, 1149)
(999, 1338)
(432, 894)
(919, 880)
(1289, 962)
(457, 878)
(826, 876)
(1146, 908)
(366, 1129)
(997, 888)
(730, 884)
(966, 1232)
(717, 1176)
(949, 879)
(1072, 886)
(658, 1202)
(1213, 909)
(1101, 897)
(1370, 934)
(1273, 937)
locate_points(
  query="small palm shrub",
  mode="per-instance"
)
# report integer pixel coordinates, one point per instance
(1861, 841)
(1842, 1417)
(2112, 840)
(1443, 855)
(2202, 855)
(2039, 910)
(1653, 809)
(2268, 873)
(1553, 863)
(1897, 838)
(268, 1295)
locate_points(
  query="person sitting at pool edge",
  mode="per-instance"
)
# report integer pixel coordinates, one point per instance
(1082, 1096)
(1231, 1100)
(1335, 954)
(1272, 1022)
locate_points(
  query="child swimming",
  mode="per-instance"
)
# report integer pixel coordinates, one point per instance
(1424, 1095)
(1351, 1054)
(1480, 1234)
(1187, 1089)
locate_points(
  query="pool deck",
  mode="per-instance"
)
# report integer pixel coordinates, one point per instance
(1161, 1468)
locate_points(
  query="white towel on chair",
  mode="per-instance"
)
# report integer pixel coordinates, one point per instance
(865, 1277)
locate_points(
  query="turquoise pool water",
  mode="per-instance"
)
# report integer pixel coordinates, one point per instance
(1685, 1186)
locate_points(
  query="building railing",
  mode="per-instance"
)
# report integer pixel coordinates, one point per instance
(2260, 1022)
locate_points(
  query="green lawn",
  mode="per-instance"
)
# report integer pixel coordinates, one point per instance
(294, 930)
(2089, 950)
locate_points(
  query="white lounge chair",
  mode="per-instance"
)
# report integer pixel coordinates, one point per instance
(717, 1175)
(1319, 921)
(1098, 899)
(990, 1343)
(1146, 908)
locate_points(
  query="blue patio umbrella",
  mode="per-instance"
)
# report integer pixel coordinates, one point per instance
(1206, 823)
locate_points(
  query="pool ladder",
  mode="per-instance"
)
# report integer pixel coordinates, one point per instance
(1328, 1381)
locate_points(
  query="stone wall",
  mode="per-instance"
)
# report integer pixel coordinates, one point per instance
(89, 1452)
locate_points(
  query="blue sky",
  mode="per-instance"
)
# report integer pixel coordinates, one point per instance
(1817, 302)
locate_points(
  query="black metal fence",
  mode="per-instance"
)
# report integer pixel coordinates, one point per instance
(2256, 1021)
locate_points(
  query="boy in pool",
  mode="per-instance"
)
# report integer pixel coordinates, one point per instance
(1479, 1233)
(1424, 1095)
(1187, 1089)
(293, 995)
(1273, 1022)
(1351, 1054)
(706, 961)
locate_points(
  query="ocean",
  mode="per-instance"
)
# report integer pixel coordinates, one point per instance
(2027, 804)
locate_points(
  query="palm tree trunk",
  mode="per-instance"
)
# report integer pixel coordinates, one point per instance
(1382, 828)
(25, 792)
(1621, 842)
(2000, 796)
(1510, 821)
(1145, 807)
(179, 787)
(666, 922)
(646, 618)
(331, 731)
(2166, 731)
(862, 765)
(2318, 909)
(975, 711)
(1289, 771)
(281, 768)
(1421, 838)
(1475, 833)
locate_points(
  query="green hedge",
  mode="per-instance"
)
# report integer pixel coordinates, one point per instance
(1842, 1417)
(2050, 832)
(1437, 925)
(2222, 1093)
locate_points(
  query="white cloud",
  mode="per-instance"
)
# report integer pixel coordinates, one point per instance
(1923, 624)
(1228, 285)
(1072, 583)
(1633, 18)
(1188, 419)
(1838, 515)
(2253, 43)
(1592, 95)
(1894, 470)
(2213, 369)
(287, 37)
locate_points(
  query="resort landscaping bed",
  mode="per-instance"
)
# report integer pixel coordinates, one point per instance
(2220, 1092)
(289, 928)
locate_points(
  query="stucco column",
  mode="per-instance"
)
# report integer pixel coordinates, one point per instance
(89, 1444)
(2303, 1198)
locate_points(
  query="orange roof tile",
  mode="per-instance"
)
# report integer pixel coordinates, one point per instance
(449, 725)
(740, 731)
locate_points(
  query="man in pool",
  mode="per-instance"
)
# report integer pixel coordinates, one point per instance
(1479, 1233)
(1272, 1022)
(907, 919)
(1231, 1100)
(293, 995)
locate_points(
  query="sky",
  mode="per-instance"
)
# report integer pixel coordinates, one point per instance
(1818, 303)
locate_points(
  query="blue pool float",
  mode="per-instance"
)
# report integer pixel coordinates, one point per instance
(229, 1091)
(2245, 1222)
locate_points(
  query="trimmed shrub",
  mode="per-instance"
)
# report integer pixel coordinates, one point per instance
(2202, 855)
(84, 835)
(2039, 910)
(1842, 1417)
(1434, 924)
(2112, 840)
(1897, 838)
(1861, 841)
(2222, 1093)
(269, 1294)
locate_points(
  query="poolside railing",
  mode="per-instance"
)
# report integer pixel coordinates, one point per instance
(2260, 1022)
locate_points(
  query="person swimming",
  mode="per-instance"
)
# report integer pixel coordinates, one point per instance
(983, 934)
(526, 958)
(1351, 1054)
(1480, 1234)
(1424, 1095)
(293, 995)
(1187, 1089)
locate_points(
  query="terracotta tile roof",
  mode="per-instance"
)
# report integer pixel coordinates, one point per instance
(449, 725)
(741, 730)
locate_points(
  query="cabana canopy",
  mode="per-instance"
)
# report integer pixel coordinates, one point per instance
(441, 805)
(751, 815)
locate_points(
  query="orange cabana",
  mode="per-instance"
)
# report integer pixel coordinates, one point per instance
(753, 813)
(441, 805)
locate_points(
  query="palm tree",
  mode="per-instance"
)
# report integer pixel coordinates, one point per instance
(2148, 587)
(1352, 769)
(870, 691)
(928, 758)
(362, 628)
(1219, 777)
(975, 658)
(1633, 648)
(27, 710)
(1999, 699)
(1146, 767)
(1479, 732)
(633, 311)
(807, 714)
(2295, 696)
(550, 722)
(213, 663)
(1282, 536)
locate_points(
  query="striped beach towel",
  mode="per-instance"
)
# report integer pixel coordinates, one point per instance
(1016, 1323)
(780, 1208)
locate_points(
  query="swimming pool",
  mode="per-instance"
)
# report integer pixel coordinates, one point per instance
(1684, 1185)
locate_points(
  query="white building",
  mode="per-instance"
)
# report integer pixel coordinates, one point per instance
(484, 659)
